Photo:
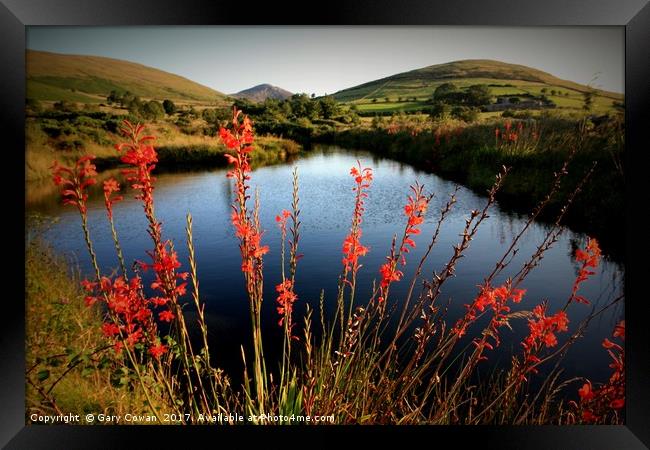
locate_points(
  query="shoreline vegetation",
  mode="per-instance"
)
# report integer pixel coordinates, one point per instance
(533, 144)
(69, 367)
(131, 347)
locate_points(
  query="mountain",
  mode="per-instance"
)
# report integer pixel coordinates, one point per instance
(261, 92)
(503, 78)
(89, 79)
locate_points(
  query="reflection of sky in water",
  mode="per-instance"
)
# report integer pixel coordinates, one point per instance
(326, 203)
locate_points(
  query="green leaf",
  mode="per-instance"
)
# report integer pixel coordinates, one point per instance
(43, 375)
(75, 359)
(104, 362)
(53, 362)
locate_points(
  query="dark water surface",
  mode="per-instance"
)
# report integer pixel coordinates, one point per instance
(326, 202)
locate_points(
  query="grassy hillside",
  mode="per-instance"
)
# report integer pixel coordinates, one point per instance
(417, 86)
(89, 79)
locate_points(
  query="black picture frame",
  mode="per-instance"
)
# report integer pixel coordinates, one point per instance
(633, 15)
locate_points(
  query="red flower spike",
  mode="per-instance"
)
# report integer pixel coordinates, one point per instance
(74, 181)
(352, 248)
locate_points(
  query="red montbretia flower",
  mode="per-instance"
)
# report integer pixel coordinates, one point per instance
(130, 312)
(414, 210)
(282, 222)
(589, 259)
(157, 350)
(543, 329)
(142, 156)
(110, 186)
(165, 263)
(619, 330)
(286, 299)
(166, 316)
(598, 403)
(240, 139)
(74, 181)
(389, 273)
(352, 248)
(110, 329)
(493, 298)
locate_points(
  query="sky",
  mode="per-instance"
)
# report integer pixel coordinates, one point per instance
(324, 60)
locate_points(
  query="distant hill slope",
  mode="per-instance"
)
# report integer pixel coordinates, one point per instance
(261, 92)
(54, 76)
(421, 83)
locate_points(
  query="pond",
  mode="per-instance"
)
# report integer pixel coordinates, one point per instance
(326, 203)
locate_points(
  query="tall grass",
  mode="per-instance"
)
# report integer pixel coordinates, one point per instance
(377, 360)
(69, 365)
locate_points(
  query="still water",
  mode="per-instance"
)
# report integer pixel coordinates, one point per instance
(326, 203)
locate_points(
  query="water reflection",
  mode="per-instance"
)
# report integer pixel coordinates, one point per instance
(326, 208)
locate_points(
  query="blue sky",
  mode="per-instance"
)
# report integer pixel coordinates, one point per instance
(323, 60)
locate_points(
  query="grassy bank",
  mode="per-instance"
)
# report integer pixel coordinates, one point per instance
(65, 136)
(468, 153)
(471, 154)
(69, 367)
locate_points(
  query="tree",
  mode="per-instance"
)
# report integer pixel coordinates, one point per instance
(215, 115)
(329, 107)
(444, 91)
(440, 110)
(300, 105)
(134, 105)
(552, 91)
(374, 100)
(544, 90)
(314, 110)
(468, 114)
(113, 97)
(126, 99)
(285, 109)
(478, 94)
(514, 100)
(169, 107)
(153, 110)
(386, 99)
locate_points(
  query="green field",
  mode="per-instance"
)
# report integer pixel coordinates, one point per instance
(502, 79)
